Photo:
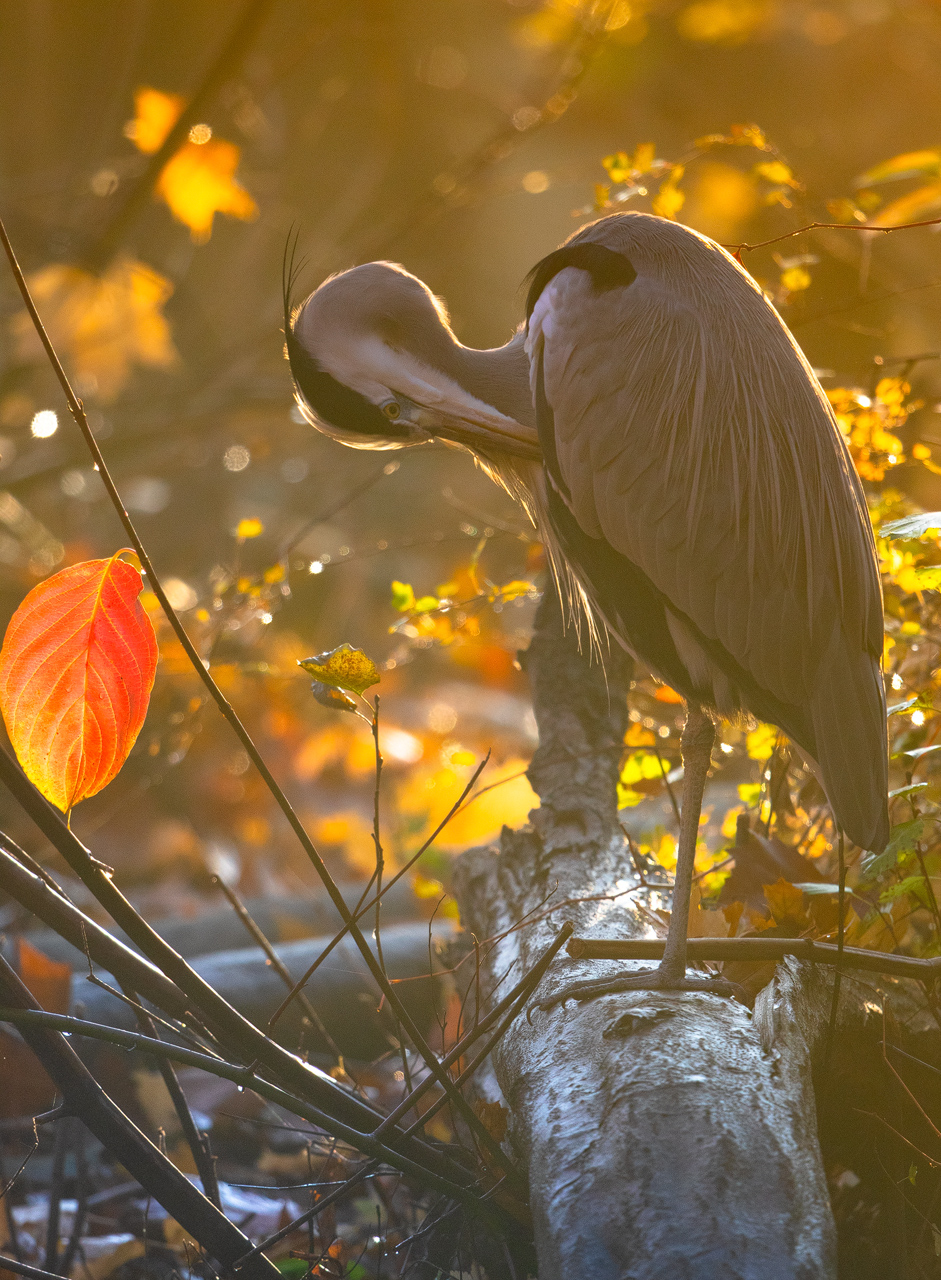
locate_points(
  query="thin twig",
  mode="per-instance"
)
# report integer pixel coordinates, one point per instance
(829, 226)
(196, 1141)
(764, 949)
(238, 1074)
(414, 1033)
(362, 906)
(274, 960)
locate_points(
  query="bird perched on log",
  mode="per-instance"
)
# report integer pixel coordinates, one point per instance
(681, 463)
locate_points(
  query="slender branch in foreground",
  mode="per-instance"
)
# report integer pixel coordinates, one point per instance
(830, 226)
(243, 1076)
(85, 1099)
(241, 1037)
(764, 949)
(511, 1005)
(24, 1269)
(363, 906)
(374, 966)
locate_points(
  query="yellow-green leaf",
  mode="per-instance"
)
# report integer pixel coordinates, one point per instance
(342, 668)
(425, 604)
(403, 597)
(795, 279)
(910, 207)
(669, 200)
(775, 171)
(903, 166)
(513, 590)
(928, 577)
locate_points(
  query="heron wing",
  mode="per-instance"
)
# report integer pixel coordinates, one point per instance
(698, 446)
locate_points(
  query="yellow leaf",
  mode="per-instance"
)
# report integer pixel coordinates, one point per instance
(722, 21)
(155, 114)
(761, 742)
(199, 182)
(927, 578)
(903, 166)
(644, 157)
(775, 171)
(103, 324)
(426, 886)
(276, 573)
(669, 199)
(342, 668)
(638, 736)
(618, 166)
(513, 590)
(920, 452)
(249, 528)
(911, 207)
(425, 604)
(794, 279)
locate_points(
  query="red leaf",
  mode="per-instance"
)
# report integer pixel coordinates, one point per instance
(76, 670)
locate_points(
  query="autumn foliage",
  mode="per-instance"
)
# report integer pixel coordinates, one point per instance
(76, 671)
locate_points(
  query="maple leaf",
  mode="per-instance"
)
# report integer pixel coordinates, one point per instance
(106, 324)
(76, 670)
(198, 181)
(342, 668)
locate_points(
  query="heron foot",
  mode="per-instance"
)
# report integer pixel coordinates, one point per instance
(642, 980)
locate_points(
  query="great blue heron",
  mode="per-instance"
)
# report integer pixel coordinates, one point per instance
(684, 469)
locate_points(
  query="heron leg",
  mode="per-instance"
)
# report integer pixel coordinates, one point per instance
(670, 975)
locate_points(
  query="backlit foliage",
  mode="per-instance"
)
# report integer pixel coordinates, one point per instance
(104, 325)
(198, 181)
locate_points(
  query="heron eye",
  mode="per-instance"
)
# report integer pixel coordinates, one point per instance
(391, 409)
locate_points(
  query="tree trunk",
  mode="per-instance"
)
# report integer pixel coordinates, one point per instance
(666, 1135)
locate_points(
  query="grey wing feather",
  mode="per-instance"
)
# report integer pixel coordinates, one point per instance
(693, 437)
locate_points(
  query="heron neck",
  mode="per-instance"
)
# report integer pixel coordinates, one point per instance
(499, 377)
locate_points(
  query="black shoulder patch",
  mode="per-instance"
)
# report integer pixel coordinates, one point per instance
(337, 405)
(608, 269)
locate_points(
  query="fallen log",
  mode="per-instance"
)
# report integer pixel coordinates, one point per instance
(666, 1135)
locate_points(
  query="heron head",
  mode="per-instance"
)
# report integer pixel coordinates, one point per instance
(376, 366)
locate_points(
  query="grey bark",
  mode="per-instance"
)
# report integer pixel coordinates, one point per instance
(667, 1136)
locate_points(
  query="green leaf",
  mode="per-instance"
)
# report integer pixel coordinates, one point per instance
(909, 790)
(902, 843)
(342, 668)
(749, 793)
(814, 888)
(917, 752)
(403, 597)
(292, 1268)
(911, 886)
(913, 526)
(901, 706)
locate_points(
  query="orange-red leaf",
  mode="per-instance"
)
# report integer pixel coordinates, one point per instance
(76, 670)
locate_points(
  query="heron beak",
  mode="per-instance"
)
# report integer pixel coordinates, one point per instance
(505, 436)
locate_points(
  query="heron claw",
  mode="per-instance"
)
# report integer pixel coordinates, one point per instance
(644, 980)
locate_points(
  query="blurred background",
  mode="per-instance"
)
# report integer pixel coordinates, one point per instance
(465, 140)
